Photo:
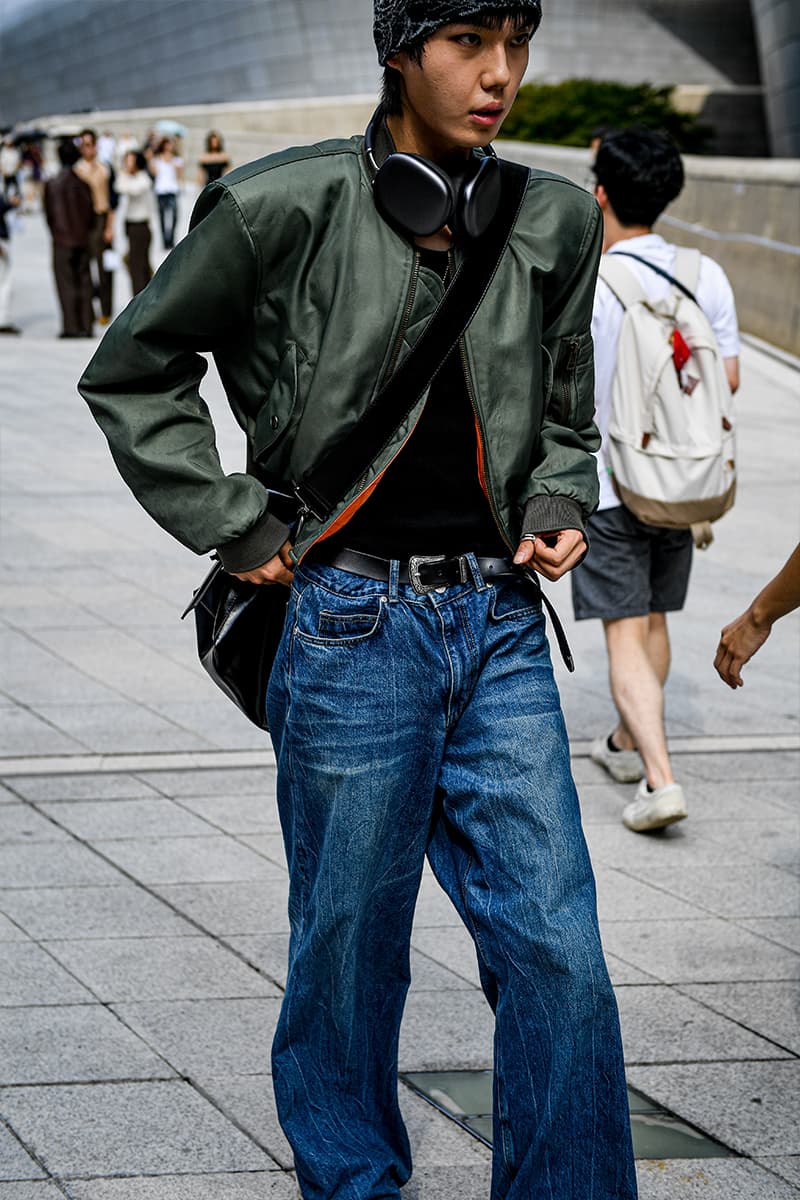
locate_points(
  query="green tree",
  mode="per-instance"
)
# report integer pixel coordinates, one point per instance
(566, 113)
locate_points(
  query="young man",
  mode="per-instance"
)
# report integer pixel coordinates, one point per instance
(412, 703)
(97, 175)
(638, 573)
(70, 217)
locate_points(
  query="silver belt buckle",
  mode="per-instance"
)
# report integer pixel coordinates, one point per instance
(420, 560)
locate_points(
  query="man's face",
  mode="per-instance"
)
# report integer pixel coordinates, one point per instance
(462, 91)
(88, 147)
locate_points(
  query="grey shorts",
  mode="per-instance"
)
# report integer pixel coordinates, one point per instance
(631, 569)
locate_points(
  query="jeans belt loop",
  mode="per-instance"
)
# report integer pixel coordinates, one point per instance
(394, 579)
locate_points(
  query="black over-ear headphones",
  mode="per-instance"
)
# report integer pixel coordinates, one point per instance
(418, 197)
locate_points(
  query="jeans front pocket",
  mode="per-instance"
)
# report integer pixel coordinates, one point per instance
(329, 620)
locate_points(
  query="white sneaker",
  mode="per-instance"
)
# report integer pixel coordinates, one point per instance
(655, 810)
(625, 766)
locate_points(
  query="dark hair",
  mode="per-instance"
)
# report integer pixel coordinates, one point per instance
(641, 171)
(210, 136)
(68, 153)
(487, 18)
(141, 161)
(88, 133)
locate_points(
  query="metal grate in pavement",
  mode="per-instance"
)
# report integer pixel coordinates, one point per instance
(466, 1097)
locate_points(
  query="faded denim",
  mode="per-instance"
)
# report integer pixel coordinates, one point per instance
(406, 725)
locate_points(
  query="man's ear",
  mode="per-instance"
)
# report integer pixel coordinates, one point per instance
(601, 196)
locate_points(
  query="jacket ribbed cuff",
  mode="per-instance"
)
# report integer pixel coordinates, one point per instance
(548, 514)
(256, 547)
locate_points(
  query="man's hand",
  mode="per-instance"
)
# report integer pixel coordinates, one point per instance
(279, 569)
(737, 644)
(552, 554)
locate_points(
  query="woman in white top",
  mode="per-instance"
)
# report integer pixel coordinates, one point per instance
(136, 185)
(167, 170)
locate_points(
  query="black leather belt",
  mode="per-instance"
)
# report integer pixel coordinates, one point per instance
(425, 572)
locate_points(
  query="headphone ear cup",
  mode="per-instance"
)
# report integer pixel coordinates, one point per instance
(414, 194)
(478, 198)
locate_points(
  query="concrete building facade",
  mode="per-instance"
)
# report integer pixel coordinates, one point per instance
(72, 55)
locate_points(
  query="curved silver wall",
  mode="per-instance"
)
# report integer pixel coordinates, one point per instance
(71, 55)
(778, 30)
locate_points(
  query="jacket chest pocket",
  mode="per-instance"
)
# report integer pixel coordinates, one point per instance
(276, 412)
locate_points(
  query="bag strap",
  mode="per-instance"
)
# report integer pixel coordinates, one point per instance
(622, 281)
(321, 488)
(664, 274)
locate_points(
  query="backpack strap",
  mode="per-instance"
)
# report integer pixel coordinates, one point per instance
(687, 268)
(664, 274)
(621, 280)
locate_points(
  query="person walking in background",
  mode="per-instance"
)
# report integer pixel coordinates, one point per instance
(98, 176)
(740, 640)
(135, 184)
(167, 171)
(637, 573)
(214, 162)
(412, 702)
(107, 148)
(7, 205)
(10, 161)
(71, 217)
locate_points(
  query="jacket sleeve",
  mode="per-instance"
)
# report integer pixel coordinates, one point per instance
(563, 485)
(143, 388)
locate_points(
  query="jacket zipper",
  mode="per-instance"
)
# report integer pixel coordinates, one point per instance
(364, 492)
(572, 362)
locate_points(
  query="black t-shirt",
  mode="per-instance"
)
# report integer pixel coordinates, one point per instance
(430, 499)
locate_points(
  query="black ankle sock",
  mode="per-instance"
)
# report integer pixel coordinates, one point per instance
(649, 789)
(614, 749)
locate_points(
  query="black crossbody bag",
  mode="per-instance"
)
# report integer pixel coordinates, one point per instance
(238, 624)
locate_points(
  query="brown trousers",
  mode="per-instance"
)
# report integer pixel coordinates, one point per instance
(74, 287)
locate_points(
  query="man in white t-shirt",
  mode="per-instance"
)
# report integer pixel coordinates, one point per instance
(635, 574)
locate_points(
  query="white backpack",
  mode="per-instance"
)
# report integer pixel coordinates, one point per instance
(671, 445)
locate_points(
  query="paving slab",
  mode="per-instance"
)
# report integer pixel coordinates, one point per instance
(9, 932)
(241, 781)
(249, 1185)
(99, 785)
(28, 975)
(269, 845)
(237, 814)
(679, 845)
(21, 824)
(770, 1009)
(733, 890)
(770, 839)
(259, 907)
(102, 820)
(709, 1179)
(157, 968)
(434, 1036)
(187, 860)
(787, 1167)
(249, 1101)
(15, 1162)
(450, 946)
(687, 1031)
(92, 912)
(701, 951)
(621, 897)
(121, 727)
(53, 864)
(783, 930)
(72, 1045)
(127, 1129)
(207, 1037)
(30, 1191)
(752, 1107)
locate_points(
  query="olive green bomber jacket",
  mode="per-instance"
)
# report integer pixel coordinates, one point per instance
(307, 299)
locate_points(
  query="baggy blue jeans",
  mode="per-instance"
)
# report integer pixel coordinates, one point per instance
(404, 725)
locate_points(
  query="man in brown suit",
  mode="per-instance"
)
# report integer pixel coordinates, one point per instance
(70, 215)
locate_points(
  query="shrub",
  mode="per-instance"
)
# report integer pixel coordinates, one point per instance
(567, 113)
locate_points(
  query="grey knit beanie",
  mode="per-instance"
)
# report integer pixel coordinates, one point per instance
(400, 22)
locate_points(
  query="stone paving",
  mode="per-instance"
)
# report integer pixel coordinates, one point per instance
(143, 921)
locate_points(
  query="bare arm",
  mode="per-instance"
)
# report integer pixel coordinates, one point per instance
(743, 637)
(732, 372)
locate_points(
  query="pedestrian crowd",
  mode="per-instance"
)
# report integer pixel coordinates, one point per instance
(101, 200)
